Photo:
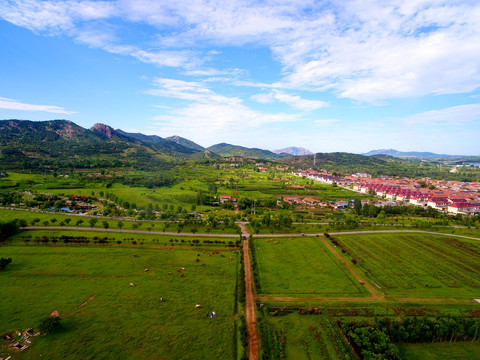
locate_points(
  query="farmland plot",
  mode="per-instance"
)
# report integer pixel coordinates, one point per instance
(302, 266)
(418, 265)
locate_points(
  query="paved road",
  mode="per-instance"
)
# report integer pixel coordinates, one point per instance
(368, 232)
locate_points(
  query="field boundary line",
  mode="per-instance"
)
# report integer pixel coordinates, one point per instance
(375, 294)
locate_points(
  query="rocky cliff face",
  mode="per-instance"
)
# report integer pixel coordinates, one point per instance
(104, 130)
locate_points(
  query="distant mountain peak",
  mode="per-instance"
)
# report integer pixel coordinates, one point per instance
(293, 150)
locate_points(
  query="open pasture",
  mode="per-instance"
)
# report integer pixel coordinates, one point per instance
(302, 266)
(418, 265)
(103, 317)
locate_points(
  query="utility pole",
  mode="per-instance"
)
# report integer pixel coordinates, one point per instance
(314, 159)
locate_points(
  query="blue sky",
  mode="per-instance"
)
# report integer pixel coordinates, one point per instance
(326, 75)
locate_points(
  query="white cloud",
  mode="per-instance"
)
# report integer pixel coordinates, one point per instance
(263, 98)
(54, 16)
(294, 101)
(189, 90)
(208, 123)
(379, 50)
(298, 103)
(326, 122)
(366, 50)
(455, 115)
(10, 104)
(210, 114)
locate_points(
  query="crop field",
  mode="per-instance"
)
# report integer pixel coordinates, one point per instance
(418, 265)
(302, 266)
(311, 337)
(103, 317)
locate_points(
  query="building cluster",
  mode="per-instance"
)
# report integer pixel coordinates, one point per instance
(454, 197)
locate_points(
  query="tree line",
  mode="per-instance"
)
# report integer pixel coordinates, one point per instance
(375, 340)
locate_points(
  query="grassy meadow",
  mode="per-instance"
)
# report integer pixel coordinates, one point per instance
(103, 317)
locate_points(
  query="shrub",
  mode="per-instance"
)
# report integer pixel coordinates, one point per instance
(4, 262)
(50, 324)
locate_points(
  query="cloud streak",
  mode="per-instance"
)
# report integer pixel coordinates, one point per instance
(10, 104)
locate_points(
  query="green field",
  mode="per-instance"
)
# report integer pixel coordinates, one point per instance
(440, 351)
(418, 265)
(103, 317)
(302, 266)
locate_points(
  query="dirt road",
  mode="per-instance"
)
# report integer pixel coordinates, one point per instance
(249, 299)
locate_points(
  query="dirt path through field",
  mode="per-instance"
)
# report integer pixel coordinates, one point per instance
(249, 299)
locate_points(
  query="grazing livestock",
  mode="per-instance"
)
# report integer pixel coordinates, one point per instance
(132, 284)
(197, 306)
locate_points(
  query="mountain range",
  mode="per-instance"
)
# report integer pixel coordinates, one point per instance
(396, 153)
(61, 143)
(64, 143)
